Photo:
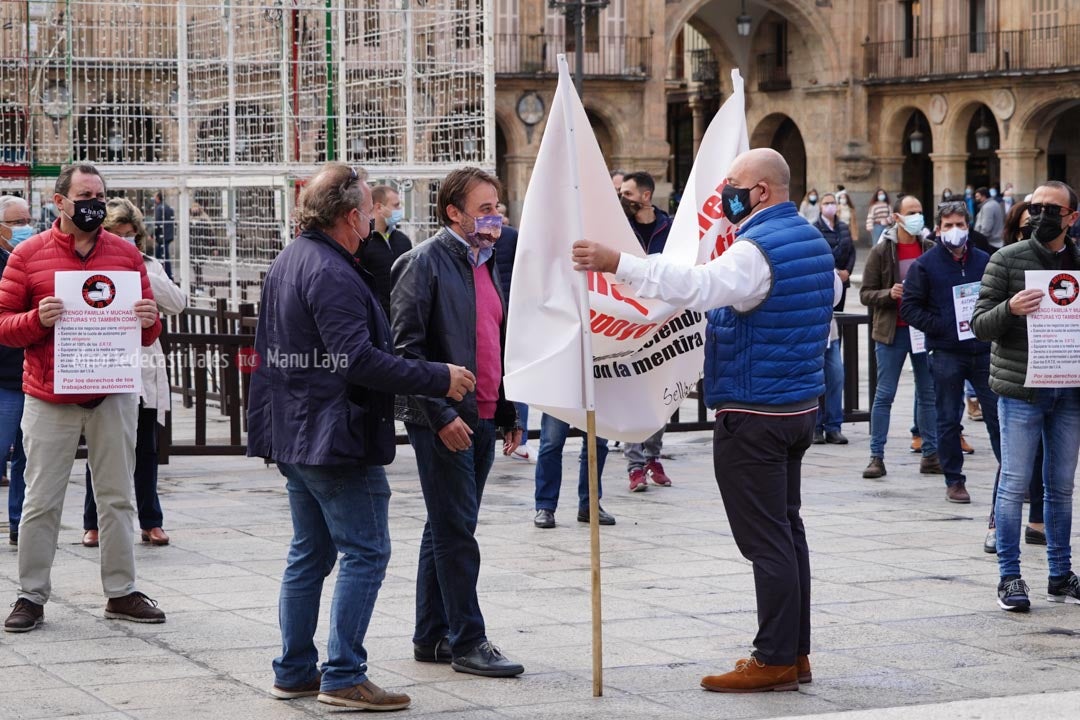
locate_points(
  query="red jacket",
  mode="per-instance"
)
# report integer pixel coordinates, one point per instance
(29, 278)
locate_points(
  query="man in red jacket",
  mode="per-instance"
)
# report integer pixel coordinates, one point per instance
(52, 423)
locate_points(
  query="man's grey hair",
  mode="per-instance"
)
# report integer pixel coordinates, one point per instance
(333, 192)
(958, 207)
(8, 201)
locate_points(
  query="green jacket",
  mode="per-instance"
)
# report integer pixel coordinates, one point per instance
(994, 322)
(882, 271)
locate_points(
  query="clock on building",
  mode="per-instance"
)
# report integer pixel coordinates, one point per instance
(530, 108)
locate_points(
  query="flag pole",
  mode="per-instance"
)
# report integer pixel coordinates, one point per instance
(577, 232)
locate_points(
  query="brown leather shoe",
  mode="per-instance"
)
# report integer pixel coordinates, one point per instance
(957, 494)
(90, 538)
(965, 446)
(973, 409)
(751, 675)
(916, 443)
(930, 465)
(802, 665)
(875, 469)
(135, 607)
(155, 536)
(4, 482)
(308, 689)
(365, 696)
(26, 616)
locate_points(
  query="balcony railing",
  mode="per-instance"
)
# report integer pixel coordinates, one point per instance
(1044, 50)
(607, 56)
(771, 75)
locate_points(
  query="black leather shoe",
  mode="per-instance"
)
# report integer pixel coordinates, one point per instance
(1034, 537)
(439, 653)
(544, 519)
(13, 538)
(486, 659)
(603, 517)
(819, 437)
(835, 438)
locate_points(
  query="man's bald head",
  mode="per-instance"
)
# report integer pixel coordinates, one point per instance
(769, 165)
(765, 173)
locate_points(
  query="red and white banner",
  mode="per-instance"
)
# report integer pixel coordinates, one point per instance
(645, 356)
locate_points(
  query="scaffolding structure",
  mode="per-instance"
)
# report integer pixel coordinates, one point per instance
(225, 106)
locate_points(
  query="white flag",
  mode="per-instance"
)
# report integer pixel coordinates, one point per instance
(643, 356)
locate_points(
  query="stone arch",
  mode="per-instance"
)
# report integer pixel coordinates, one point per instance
(610, 118)
(807, 19)
(954, 137)
(892, 138)
(512, 129)
(782, 133)
(725, 61)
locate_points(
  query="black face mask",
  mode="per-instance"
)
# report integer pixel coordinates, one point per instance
(89, 214)
(736, 202)
(1025, 232)
(1045, 228)
(629, 207)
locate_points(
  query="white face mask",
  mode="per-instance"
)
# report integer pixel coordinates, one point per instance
(130, 238)
(954, 238)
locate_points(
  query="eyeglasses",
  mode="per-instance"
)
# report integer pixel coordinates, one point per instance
(1048, 209)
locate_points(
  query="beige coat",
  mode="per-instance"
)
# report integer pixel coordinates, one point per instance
(171, 300)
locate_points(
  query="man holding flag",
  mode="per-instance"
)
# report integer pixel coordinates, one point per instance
(770, 299)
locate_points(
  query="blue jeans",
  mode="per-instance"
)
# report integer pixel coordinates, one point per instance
(890, 361)
(449, 565)
(1054, 417)
(11, 408)
(951, 370)
(553, 432)
(335, 508)
(523, 418)
(830, 419)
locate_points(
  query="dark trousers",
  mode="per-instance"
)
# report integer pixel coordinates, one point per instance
(950, 370)
(449, 566)
(146, 477)
(758, 465)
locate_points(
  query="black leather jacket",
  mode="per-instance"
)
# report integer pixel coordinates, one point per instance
(433, 316)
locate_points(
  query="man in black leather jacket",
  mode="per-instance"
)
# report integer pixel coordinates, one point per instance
(447, 305)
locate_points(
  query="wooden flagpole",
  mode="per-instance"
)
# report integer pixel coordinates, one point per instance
(578, 232)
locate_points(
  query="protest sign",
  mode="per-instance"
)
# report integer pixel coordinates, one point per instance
(97, 339)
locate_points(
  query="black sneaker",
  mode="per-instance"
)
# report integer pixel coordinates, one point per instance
(1013, 594)
(1064, 591)
(487, 660)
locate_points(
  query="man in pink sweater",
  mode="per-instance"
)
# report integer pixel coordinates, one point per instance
(446, 305)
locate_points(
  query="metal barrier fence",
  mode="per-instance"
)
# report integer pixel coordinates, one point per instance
(208, 351)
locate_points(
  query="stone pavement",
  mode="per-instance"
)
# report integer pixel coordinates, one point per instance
(904, 602)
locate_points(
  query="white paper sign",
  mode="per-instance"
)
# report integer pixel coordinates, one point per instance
(918, 340)
(964, 299)
(1054, 330)
(97, 339)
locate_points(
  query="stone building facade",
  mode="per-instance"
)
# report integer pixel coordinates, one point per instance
(989, 89)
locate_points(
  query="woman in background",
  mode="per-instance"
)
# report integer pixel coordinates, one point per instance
(124, 219)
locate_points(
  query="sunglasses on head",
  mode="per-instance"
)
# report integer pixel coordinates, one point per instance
(1048, 209)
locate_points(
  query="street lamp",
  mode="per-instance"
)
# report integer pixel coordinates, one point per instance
(917, 140)
(116, 142)
(744, 23)
(983, 136)
(577, 11)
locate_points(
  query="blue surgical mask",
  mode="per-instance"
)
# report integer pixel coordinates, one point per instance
(396, 216)
(20, 233)
(914, 224)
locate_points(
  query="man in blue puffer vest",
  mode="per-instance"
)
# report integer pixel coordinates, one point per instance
(770, 299)
(951, 272)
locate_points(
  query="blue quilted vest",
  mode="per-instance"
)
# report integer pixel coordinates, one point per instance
(774, 355)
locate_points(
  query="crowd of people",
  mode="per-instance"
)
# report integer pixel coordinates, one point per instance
(416, 331)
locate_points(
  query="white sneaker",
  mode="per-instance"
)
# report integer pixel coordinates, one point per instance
(521, 452)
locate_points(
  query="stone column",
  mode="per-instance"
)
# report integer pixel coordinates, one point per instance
(949, 172)
(890, 173)
(697, 109)
(1025, 168)
(518, 171)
